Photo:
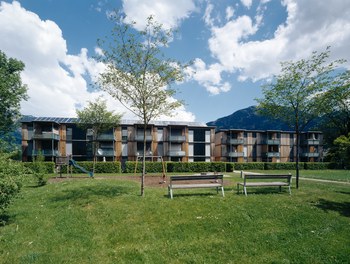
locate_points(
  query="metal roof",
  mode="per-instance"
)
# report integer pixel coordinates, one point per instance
(69, 120)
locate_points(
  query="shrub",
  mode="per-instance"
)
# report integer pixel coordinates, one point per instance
(317, 165)
(230, 166)
(249, 165)
(282, 165)
(11, 177)
(39, 170)
(47, 166)
(100, 167)
(151, 167)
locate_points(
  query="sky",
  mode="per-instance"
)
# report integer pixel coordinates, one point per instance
(235, 46)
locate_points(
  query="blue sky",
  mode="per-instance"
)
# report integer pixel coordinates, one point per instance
(236, 46)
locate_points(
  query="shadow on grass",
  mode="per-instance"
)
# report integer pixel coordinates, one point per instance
(86, 192)
(342, 208)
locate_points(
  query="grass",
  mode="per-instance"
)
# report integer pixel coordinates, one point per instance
(106, 221)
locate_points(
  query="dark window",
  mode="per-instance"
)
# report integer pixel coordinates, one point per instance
(199, 135)
(79, 148)
(199, 159)
(78, 133)
(199, 149)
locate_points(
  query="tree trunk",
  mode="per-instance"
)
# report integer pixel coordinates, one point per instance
(297, 161)
(143, 161)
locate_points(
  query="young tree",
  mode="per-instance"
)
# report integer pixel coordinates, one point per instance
(97, 118)
(138, 75)
(294, 95)
(12, 92)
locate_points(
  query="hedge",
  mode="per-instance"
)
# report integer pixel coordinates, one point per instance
(282, 165)
(317, 165)
(196, 166)
(100, 167)
(151, 167)
(249, 166)
(49, 167)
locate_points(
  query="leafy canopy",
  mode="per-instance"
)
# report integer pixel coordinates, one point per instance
(12, 92)
(138, 74)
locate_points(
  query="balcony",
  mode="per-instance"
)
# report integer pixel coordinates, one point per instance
(236, 154)
(271, 154)
(235, 141)
(140, 138)
(177, 138)
(106, 153)
(45, 152)
(311, 142)
(46, 135)
(272, 142)
(310, 154)
(176, 153)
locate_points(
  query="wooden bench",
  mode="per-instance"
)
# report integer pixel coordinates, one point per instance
(202, 181)
(250, 180)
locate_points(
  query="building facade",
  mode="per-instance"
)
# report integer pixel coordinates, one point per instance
(173, 141)
(236, 145)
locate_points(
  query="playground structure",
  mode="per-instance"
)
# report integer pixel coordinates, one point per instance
(69, 163)
(153, 158)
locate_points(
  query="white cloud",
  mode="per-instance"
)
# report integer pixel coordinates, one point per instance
(229, 12)
(208, 76)
(247, 3)
(309, 26)
(56, 80)
(167, 12)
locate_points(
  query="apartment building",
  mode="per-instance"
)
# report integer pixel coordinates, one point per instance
(235, 145)
(173, 141)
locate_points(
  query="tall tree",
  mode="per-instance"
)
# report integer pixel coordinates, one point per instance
(294, 95)
(138, 74)
(336, 104)
(12, 92)
(97, 118)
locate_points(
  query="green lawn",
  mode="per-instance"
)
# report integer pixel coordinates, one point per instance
(106, 221)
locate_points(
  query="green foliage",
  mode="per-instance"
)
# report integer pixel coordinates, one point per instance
(249, 165)
(12, 92)
(47, 167)
(339, 154)
(196, 167)
(230, 166)
(317, 165)
(39, 170)
(151, 167)
(97, 118)
(281, 166)
(11, 177)
(100, 167)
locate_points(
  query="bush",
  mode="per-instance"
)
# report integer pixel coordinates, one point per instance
(11, 177)
(282, 165)
(151, 167)
(39, 170)
(249, 166)
(196, 167)
(317, 165)
(230, 166)
(100, 167)
(48, 167)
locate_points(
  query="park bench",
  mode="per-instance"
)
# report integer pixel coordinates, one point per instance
(196, 181)
(265, 180)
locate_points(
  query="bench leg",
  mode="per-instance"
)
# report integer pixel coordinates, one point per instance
(222, 190)
(170, 192)
(237, 188)
(245, 190)
(290, 191)
(280, 188)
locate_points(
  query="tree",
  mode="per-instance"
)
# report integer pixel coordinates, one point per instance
(139, 75)
(336, 106)
(97, 118)
(12, 92)
(340, 151)
(295, 95)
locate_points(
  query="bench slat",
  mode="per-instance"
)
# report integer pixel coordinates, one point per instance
(218, 178)
(252, 183)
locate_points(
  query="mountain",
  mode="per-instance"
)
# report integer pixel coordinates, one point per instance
(249, 119)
